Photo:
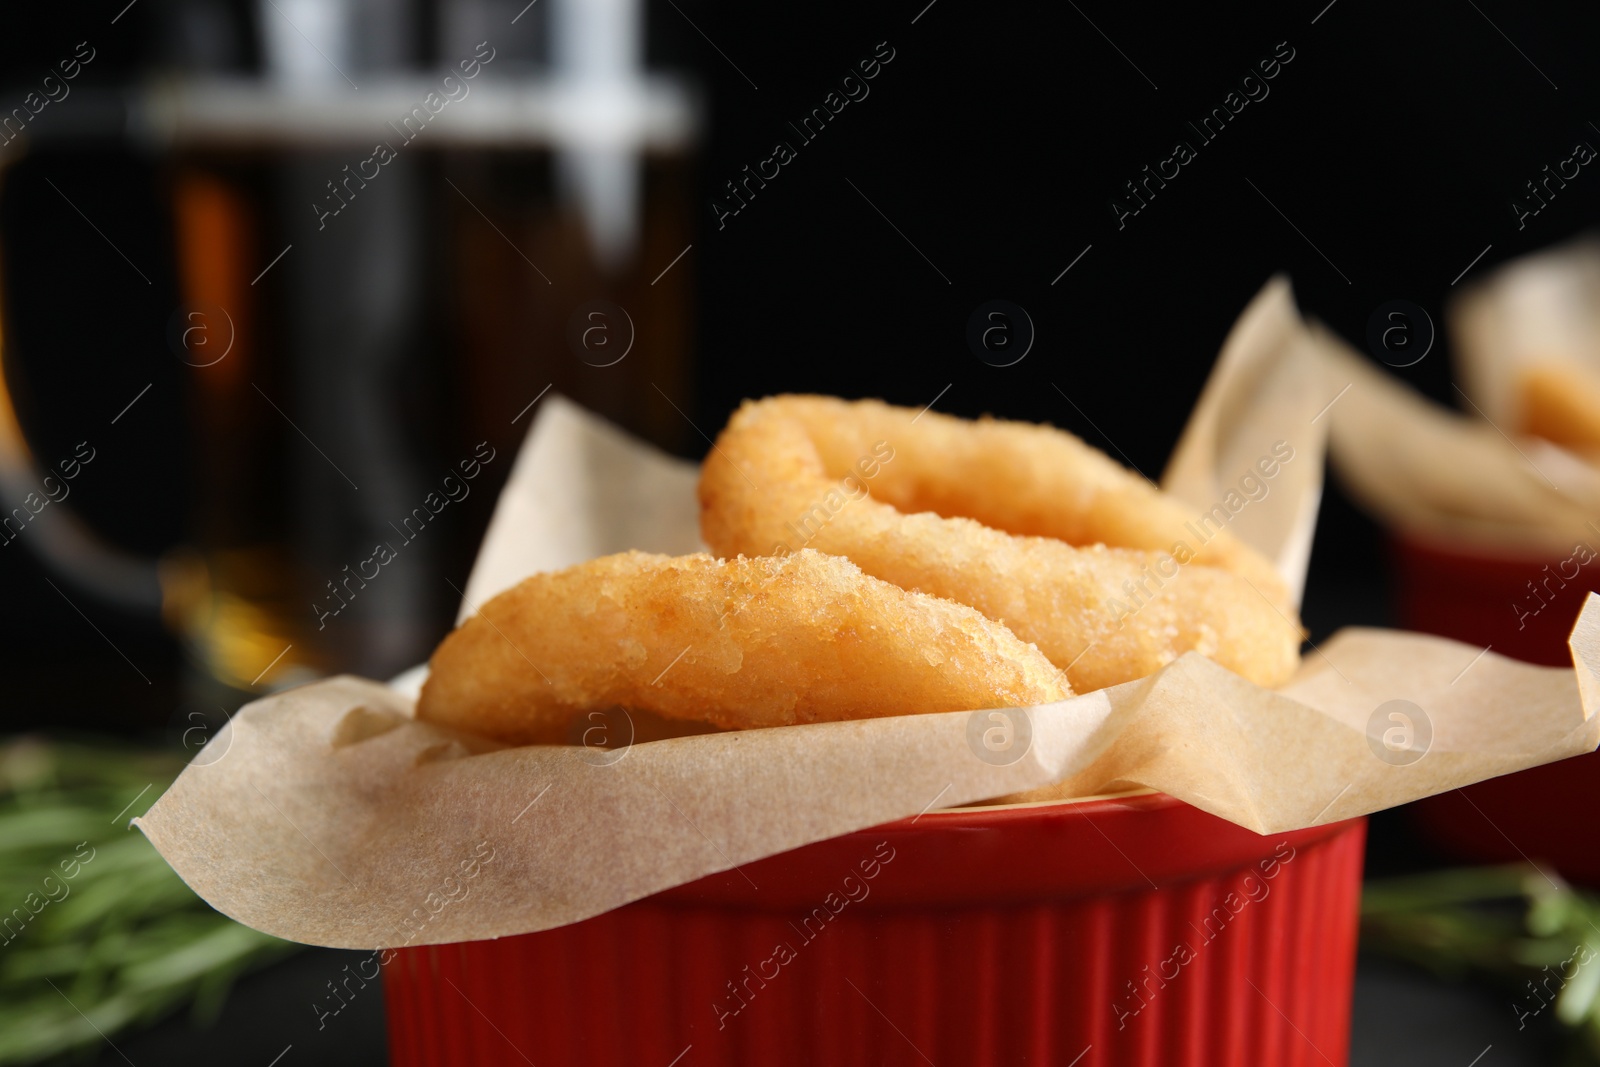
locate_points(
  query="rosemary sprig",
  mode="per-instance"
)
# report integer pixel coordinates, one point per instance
(97, 934)
(1518, 926)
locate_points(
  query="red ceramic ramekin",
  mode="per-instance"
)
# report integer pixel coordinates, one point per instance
(1522, 607)
(1120, 931)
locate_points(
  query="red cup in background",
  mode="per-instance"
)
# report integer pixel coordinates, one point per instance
(1133, 930)
(1545, 813)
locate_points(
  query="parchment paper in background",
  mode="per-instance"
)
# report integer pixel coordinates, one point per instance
(1454, 478)
(328, 815)
(1267, 386)
(1540, 308)
(1472, 478)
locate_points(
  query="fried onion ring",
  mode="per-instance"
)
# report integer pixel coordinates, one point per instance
(1011, 518)
(737, 643)
(1560, 402)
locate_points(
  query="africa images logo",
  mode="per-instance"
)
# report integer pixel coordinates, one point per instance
(852, 87)
(1252, 88)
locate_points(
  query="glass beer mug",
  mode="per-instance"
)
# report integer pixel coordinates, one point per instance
(364, 292)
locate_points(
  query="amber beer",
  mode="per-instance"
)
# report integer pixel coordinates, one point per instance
(340, 366)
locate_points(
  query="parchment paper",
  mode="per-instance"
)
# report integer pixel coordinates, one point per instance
(327, 814)
(1447, 476)
(1540, 308)
(582, 488)
(1472, 478)
(1268, 386)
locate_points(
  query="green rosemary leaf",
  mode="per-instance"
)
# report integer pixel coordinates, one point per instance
(92, 919)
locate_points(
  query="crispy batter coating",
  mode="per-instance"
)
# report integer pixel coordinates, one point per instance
(1011, 518)
(736, 643)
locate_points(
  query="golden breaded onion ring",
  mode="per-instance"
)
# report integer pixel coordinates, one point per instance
(1560, 402)
(736, 643)
(1011, 518)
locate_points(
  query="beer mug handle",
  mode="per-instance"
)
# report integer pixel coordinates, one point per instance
(55, 534)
